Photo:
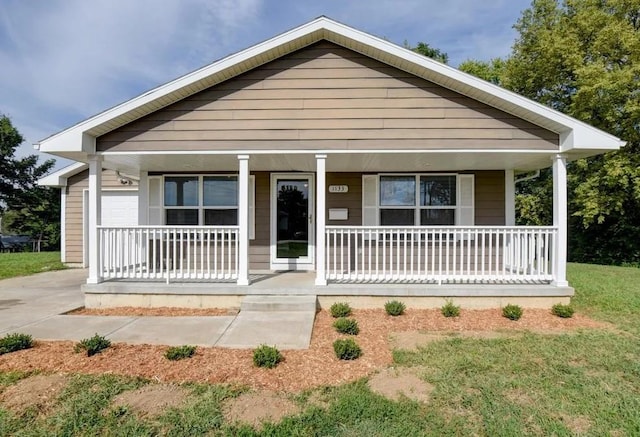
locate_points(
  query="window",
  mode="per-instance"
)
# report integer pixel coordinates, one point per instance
(210, 200)
(418, 199)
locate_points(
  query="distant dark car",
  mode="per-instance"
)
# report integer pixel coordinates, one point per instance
(14, 243)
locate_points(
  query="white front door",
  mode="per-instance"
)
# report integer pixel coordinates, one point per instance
(292, 224)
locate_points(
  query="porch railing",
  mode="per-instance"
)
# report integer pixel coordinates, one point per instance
(168, 252)
(440, 254)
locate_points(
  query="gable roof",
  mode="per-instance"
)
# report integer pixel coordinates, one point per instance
(576, 137)
(59, 178)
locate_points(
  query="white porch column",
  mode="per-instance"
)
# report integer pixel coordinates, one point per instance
(321, 214)
(143, 198)
(95, 213)
(509, 198)
(560, 218)
(243, 220)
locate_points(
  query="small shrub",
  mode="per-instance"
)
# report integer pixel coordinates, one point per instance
(266, 356)
(93, 345)
(15, 342)
(512, 312)
(180, 352)
(450, 310)
(340, 309)
(346, 326)
(564, 311)
(394, 307)
(347, 349)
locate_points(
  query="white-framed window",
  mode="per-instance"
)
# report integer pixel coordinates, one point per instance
(198, 200)
(423, 199)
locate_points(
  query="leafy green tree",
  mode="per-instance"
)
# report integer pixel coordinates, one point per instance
(26, 208)
(583, 58)
(492, 71)
(430, 52)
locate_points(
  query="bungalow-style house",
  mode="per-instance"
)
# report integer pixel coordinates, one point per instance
(377, 170)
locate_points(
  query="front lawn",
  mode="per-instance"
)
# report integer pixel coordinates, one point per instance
(575, 383)
(28, 263)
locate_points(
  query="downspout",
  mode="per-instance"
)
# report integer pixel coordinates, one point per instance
(529, 177)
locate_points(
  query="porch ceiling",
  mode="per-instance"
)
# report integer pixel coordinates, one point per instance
(391, 161)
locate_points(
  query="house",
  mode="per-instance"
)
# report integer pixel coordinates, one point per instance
(326, 150)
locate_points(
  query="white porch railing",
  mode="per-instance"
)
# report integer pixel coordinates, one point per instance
(440, 254)
(168, 252)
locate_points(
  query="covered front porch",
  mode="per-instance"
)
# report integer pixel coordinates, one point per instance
(336, 254)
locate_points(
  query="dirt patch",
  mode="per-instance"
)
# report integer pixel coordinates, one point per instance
(152, 400)
(578, 425)
(147, 312)
(40, 392)
(258, 407)
(393, 383)
(519, 397)
(301, 369)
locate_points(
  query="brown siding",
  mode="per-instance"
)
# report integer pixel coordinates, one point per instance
(259, 248)
(73, 216)
(327, 97)
(351, 199)
(489, 198)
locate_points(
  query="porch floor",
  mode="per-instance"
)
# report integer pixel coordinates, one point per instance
(229, 294)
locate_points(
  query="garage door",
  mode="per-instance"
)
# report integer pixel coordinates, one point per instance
(119, 208)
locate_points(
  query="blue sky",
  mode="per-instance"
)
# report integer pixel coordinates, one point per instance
(62, 61)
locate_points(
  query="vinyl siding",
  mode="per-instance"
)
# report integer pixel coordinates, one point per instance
(73, 219)
(327, 97)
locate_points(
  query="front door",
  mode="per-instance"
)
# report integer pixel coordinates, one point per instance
(292, 245)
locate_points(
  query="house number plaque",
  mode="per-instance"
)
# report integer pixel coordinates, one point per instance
(338, 188)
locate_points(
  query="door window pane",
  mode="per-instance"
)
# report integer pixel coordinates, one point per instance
(221, 217)
(220, 191)
(292, 218)
(182, 217)
(181, 191)
(436, 217)
(395, 217)
(437, 190)
(397, 190)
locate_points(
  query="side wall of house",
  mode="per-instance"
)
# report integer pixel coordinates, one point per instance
(74, 229)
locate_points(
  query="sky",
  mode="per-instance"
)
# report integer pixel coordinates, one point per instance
(62, 61)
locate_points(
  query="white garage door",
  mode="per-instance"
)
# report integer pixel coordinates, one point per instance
(119, 208)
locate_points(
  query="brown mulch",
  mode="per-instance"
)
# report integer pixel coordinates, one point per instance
(301, 369)
(161, 311)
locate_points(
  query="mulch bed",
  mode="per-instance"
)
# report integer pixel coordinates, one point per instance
(300, 370)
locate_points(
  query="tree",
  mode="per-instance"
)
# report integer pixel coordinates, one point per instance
(26, 208)
(491, 71)
(583, 58)
(430, 52)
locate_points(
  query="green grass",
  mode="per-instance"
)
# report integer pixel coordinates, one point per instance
(28, 263)
(585, 382)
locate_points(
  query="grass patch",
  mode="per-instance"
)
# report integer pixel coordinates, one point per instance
(28, 263)
(608, 293)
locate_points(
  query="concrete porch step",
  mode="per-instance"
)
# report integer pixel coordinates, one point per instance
(279, 303)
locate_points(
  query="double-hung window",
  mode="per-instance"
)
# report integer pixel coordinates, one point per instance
(210, 200)
(418, 199)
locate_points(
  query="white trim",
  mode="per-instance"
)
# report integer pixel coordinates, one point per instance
(321, 207)
(63, 224)
(243, 220)
(143, 198)
(315, 152)
(60, 177)
(509, 198)
(95, 204)
(560, 219)
(276, 263)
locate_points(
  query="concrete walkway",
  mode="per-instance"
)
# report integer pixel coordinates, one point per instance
(37, 304)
